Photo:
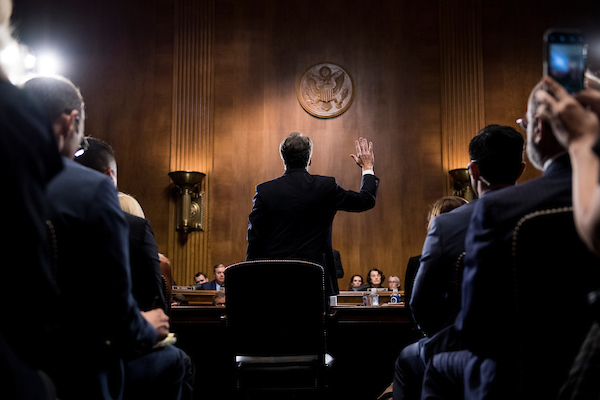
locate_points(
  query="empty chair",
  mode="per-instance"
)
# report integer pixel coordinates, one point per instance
(277, 336)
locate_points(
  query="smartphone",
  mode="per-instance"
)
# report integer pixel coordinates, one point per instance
(565, 51)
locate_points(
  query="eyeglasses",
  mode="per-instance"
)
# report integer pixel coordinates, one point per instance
(82, 147)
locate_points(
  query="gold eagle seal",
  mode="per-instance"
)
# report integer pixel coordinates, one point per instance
(325, 90)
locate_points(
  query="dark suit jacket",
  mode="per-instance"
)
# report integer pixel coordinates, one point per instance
(146, 281)
(212, 285)
(434, 300)
(485, 320)
(93, 257)
(292, 215)
(29, 158)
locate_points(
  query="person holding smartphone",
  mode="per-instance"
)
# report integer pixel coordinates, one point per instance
(579, 133)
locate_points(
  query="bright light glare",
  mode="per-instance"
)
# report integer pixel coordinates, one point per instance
(48, 64)
(29, 61)
(10, 54)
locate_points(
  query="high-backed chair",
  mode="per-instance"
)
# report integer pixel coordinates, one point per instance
(553, 272)
(276, 326)
(167, 278)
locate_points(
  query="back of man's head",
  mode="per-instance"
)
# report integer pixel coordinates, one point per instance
(99, 155)
(56, 95)
(498, 152)
(296, 150)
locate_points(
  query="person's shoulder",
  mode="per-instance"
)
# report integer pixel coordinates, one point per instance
(212, 285)
(134, 219)
(136, 223)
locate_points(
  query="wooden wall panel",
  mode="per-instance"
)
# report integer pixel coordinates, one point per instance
(210, 85)
(261, 49)
(461, 80)
(191, 134)
(512, 34)
(121, 56)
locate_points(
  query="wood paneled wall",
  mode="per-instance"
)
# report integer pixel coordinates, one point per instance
(191, 134)
(210, 85)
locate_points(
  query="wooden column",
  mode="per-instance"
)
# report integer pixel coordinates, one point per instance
(192, 133)
(462, 113)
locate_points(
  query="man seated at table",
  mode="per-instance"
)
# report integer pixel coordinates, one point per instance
(200, 278)
(218, 299)
(216, 284)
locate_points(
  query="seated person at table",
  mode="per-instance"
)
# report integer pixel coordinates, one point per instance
(375, 278)
(393, 283)
(218, 299)
(355, 281)
(216, 284)
(496, 155)
(200, 278)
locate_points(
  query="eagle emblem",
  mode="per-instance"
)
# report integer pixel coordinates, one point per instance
(325, 90)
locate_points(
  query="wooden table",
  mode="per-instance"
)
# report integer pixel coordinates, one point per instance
(364, 342)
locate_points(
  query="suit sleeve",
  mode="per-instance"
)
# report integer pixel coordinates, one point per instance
(428, 292)
(256, 229)
(483, 318)
(348, 200)
(146, 278)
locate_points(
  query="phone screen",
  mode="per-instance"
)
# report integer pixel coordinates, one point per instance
(566, 53)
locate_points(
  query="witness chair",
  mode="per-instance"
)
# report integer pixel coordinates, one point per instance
(275, 323)
(553, 272)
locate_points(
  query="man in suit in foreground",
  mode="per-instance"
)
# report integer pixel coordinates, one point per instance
(147, 284)
(496, 155)
(292, 215)
(144, 373)
(487, 323)
(93, 333)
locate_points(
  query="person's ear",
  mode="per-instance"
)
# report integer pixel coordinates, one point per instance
(474, 171)
(540, 129)
(112, 174)
(62, 126)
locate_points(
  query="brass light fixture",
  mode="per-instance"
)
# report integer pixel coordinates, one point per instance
(190, 210)
(462, 184)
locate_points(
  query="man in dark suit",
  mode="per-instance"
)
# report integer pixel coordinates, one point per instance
(147, 288)
(496, 155)
(30, 159)
(91, 235)
(292, 215)
(485, 323)
(147, 284)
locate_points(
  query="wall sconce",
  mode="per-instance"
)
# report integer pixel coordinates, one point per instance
(190, 210)
(462, 184)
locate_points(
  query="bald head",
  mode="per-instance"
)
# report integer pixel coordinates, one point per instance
(541, 142)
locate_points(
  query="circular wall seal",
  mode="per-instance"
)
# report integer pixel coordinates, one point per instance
(325, 90)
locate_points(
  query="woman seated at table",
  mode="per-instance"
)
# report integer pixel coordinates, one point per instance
(355, 281)
(375, 278)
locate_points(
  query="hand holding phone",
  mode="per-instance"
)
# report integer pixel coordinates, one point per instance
(565, 51)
